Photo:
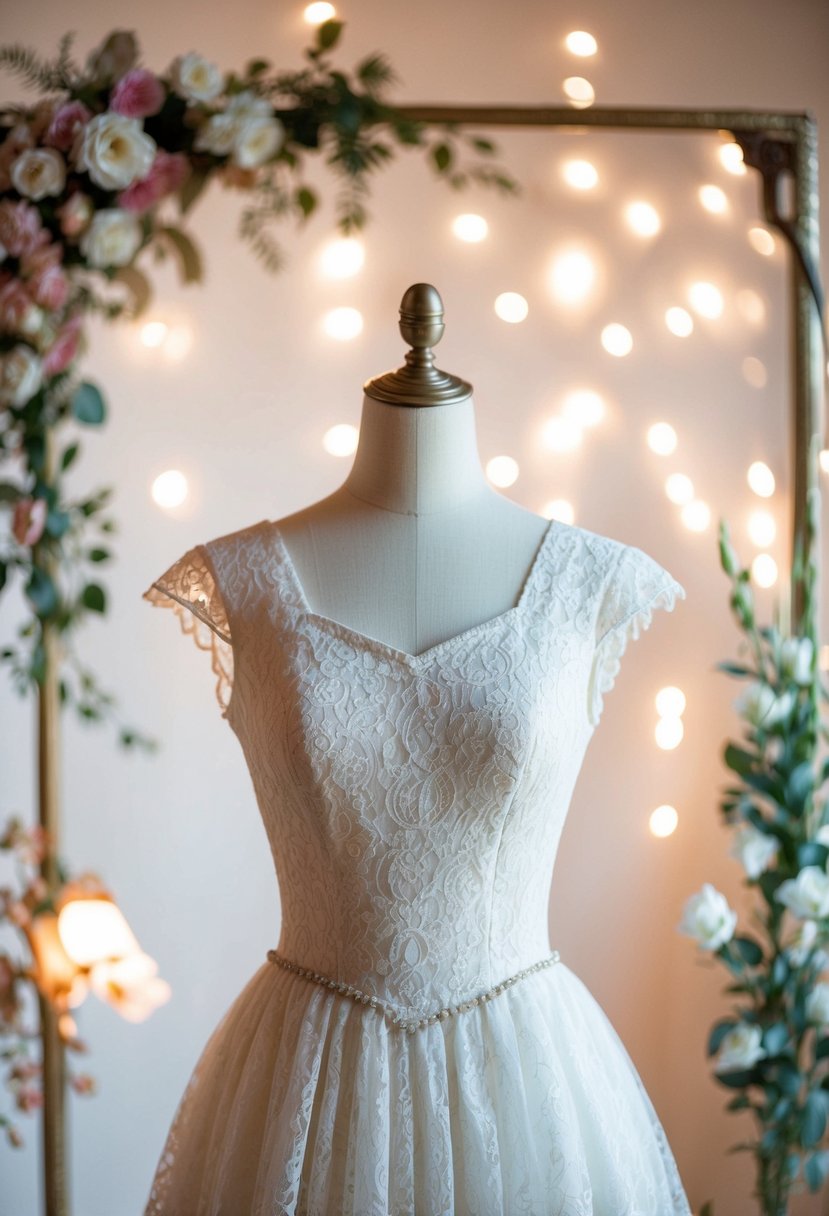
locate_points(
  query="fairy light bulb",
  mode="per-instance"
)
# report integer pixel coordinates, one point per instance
(713, 199)
(680, 322)
(470, 228)
(572, 276)
(696, 515)
(663, 821)
(668, 733)
(511, 306)
(661, 438)
(760, 479)
(732, 160)
(580, 174)
(643, 219)
(706, 300)
(342, 258)
(670, 702)
(579, 92)
(502, 470)
(341, 439)
(762, 240)
(764, 570)
(617, 340)
(169, 489)
(343, 323)
(679, 488)
(579, 42)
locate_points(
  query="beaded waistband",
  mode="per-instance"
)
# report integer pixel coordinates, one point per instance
(396, 1019)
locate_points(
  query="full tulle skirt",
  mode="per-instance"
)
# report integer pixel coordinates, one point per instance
(307, 1103)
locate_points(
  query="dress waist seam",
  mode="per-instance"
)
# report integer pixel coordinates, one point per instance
(396, 1019)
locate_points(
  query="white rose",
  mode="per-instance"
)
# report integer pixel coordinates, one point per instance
(216, 135)
(817, 1005)
(257, 139)
(741, 1048)
(761, 705)
(195, 78)
(755, 849)
(115, 151)
(708, 918)
(32, 322)
(112, 238)
(38, 172)
(808, 894)
(822, 834)
(248, 104)
(21, 375)
(796, 659)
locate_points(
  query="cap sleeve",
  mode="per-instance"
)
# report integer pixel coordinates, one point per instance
(190, 588)
(636, 585)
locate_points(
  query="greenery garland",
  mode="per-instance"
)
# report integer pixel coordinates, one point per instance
(82, 175)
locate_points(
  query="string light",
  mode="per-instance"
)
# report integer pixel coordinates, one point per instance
(315, 14)
(760, 479)
(153, 333)
(668, 733)
(470, 228)
(579, 92)
(580, 174)
(764, 570)
(663, 821)
(617, 340)
(341, 439)
(706, 299)
(561, 434)
(572, 276)
(713, 199)
(662, 438)
(680, 322)
(512, 307)
(670, 702)
(696, 515)
(343, 323)
(502, 470)
(762, 240)
(761, 528)
(342, 258)
(643, 219)
(731, 159)
(679, 488)
(169, 489)
(584, 407)
(560, 509)
(579, 42)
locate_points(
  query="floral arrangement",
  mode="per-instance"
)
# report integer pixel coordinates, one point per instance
(773, 1049)
(85, 175)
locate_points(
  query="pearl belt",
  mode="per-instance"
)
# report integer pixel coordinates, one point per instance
(394, 1017)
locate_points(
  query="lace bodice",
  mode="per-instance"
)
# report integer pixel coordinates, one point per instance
(414, 803)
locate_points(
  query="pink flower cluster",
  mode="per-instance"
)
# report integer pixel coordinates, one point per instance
(167, 172)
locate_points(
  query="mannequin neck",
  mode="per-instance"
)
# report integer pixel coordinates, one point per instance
(416, 460)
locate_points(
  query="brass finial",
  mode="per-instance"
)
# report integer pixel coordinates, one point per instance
(419, 382)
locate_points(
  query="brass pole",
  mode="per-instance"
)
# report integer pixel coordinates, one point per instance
(53, 1122)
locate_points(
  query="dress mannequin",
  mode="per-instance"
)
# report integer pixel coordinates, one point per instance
(414, 547)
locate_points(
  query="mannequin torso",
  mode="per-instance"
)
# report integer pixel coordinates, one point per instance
(414, 548)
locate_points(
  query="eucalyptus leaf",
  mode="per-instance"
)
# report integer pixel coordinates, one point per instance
(188, 255)
(41, 592)
(93, 597)
(88, 404)
(814, 1119)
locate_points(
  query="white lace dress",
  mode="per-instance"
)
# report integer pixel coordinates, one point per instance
(414, 1045)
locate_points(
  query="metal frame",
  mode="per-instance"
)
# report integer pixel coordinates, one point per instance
(774, 144)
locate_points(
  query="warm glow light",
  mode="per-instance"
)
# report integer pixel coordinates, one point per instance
(502, 470)
(713, 199)
(579, 42)
(560, 509)
(341, 439)
(169, 489)
(668, 733)
(670, 702)
(754, 372)
(823, 458)
(315, 14)
(130, 985)
(512, 307)
(663, 821)
(705, 299)
(662, 438)
(343, 323)
(584, 407)
(679, 488)
(561, 434)
(679, 322)
(153, 333)
(764, 570)
(178, 342)
(731, 158)
(94, 929)
(342, 257)
(761, 528)
(762, 240)
(617, 340)
(643, 219)
(760, 479)
(696, 515)
(572, 276)
(580, 174)
(469, 227)
(751, 306)
(579, 91)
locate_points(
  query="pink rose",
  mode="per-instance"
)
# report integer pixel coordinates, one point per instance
(41, 116)
(75, 214)
(137, 94)
(28, 521)
(166, 174)
(21, 231)
(15, 303)
(65, 346)
(66, 122)
(46, 279)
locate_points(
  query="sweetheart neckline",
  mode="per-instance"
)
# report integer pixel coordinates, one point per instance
(364, 640)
